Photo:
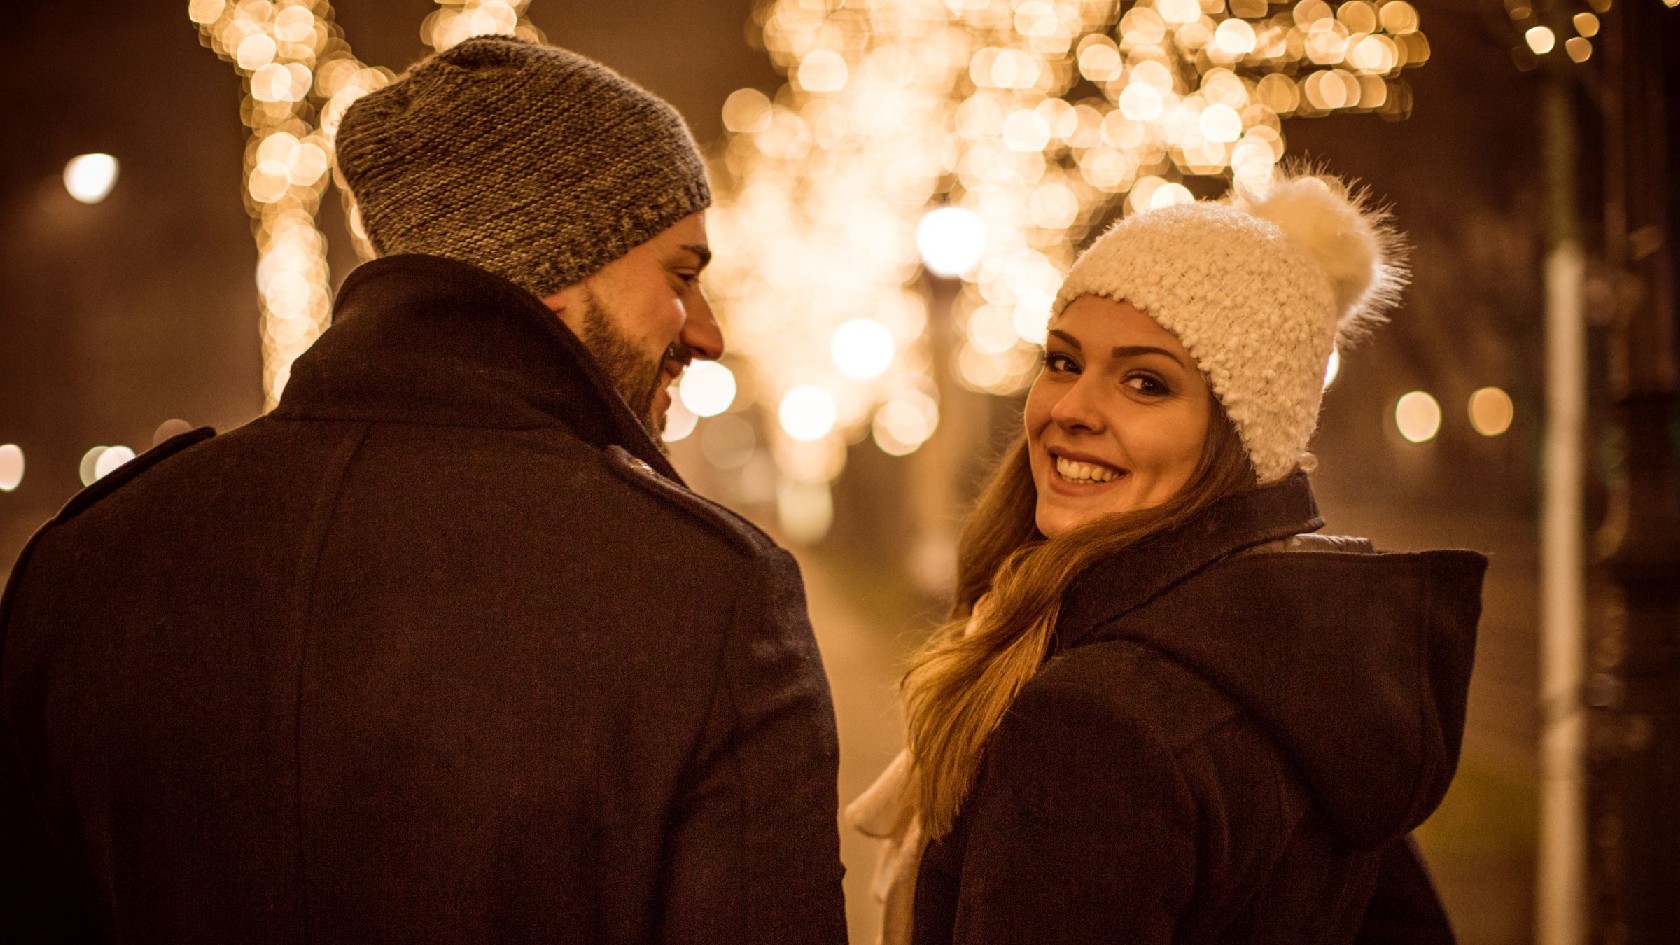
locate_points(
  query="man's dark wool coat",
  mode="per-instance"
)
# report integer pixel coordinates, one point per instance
(1235, 732)
(438, 651)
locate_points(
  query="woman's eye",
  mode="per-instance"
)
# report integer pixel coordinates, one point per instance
(1147, 384)
(1059, 363)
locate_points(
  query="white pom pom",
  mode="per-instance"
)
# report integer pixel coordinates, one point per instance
(1354, 242)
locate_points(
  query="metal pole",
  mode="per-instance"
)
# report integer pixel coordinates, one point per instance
(1636, 687)
(1561, 896)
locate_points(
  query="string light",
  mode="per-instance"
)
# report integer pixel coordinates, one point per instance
(1537, 39)
(1491, 411)
(90, 177)
(299, 76)
(11, 467)
(1418, 416)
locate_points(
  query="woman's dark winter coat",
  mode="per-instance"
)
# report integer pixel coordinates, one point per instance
(439, 651)
(1234, 734)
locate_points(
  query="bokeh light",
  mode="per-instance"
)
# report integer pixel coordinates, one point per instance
(88, 468)
(679, 422)
(110, 459)
(170, 428)
(862, 349)
(1491, 411)
(707, 388)
(1418, 416)
(728, 442)
(905, 422)
(11, 467)
(950, 240)
(90, 177)
(807, 412)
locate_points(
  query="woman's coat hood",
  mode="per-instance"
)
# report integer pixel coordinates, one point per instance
(1271, 619)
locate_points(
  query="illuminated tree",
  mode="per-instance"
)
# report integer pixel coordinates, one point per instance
(299, 77)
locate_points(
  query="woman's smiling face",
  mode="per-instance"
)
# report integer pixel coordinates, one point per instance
(1116, 419)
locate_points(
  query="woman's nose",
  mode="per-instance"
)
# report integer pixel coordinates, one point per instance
(1078, 408)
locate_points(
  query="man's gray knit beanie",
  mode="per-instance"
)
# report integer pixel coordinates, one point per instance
(530, 161)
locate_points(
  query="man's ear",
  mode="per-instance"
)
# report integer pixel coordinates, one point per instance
(568, 304)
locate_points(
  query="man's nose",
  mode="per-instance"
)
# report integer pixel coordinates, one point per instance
(701, 332)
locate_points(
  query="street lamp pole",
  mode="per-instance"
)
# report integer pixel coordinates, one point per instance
(1634, 690)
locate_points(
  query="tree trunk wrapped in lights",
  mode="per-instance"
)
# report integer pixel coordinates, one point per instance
(299, 76)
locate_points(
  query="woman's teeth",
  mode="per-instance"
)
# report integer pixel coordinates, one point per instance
(1083, 472)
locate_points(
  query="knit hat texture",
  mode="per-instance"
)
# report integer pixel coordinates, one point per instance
(1259, 290)
(530, 161)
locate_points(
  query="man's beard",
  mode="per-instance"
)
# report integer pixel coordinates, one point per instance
(637, 379)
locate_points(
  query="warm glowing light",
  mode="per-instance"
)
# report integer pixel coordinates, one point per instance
(1026, 131)
(807, 412)
(746, 111)
(950, 240)
(1234, 37)
(1578, 48)
(679, 422)
(1377, 55)
(11, 467)
(1333, 369)
(1541, 39)
(90, 177)
(1170, 194)
(1398, 17)
(905, 422)
(1278, 93)
(823, 70)
(805, 511)
(170, 428)
(1586, 24)
(110, 459)
(1491, 411)
(1099, 61)
(707, 388)
(728, 442)
(1221, 123)
(1179, 11)
(256, 51)
(205, 12)
(1141, 102)
(862, 349)
(1358, 16)
(90, 459)
(1418, 416)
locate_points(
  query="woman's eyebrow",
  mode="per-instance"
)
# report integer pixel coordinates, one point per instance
(1071, 341)
(1132, 351)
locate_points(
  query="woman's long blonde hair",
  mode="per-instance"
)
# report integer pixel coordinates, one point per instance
(963, 681)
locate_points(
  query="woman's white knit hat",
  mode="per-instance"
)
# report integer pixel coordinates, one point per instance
(1259, 290)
